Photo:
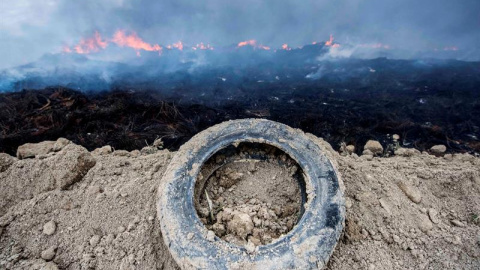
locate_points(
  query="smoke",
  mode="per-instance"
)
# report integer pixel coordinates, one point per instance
(29, 29)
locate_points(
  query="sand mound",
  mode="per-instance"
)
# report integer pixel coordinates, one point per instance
(71, 209)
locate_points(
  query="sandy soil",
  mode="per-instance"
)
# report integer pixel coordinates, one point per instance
(253, 200)
(70, 209)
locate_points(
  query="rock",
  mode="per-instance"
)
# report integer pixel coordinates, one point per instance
(457, 223)
(60, 144)
(94, 240)
(448, 157)
(374, 146)
(6, 161)
(190, 236)
(385, 205)
(121, 153)
(367, 152)
(255, 241)
(49, 253)
(71, 165)
(424, 223)
(241, 224)
(396, 137)
(407, 152)
(49, 227)
(396, 238)
(438, 149)
(105, 150)
(120, 229)
(49, 266)
(250, 247)
(30, 150)
(412, 192)
(368, 157)
(135, 153)
(348, 203)
(219, 229)
(433, 215)
(350, 149)
(147, 150)
(210, 236)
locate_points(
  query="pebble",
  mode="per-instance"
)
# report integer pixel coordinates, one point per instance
(190, 236)
(241, 224)
(374, 146)
(49, 253)
(396, 238)
(385, 205)
(250, 247)
(348, 203)
(50, 266)
(438, 149)
(457, 223)
(121, 229)
(433, 215)
(412, 192)
(424, 223)
(94, 240)
(210, 236)
(396, 137)
(49, 228)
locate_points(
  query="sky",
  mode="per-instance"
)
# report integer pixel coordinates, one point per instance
(31, 28)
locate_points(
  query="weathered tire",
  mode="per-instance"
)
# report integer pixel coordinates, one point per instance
(307, 246)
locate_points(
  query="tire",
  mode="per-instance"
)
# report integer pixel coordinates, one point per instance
(307, 246)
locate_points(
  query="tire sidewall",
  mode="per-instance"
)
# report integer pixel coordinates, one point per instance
(307, 246)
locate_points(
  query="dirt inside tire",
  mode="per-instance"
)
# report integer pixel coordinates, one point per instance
(250, 194)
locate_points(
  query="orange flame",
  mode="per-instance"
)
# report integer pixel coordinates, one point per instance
(330, 43)
(93, 44)
(251, 42)
(178, 45)
(285, 47)
(133, 41)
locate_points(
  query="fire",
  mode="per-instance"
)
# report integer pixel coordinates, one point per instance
(330, 43)
(133, 41)
(178, 45)
(92, 44)
(285, 47)
(202, 46)
(252, 43)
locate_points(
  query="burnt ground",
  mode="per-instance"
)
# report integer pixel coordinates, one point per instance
(348, 102)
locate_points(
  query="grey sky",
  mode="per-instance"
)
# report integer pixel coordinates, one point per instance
(29, 29)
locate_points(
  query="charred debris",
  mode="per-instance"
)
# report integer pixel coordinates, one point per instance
(351, 101)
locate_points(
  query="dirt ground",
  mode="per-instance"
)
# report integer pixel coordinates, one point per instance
(71, 209)
(253, 200)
